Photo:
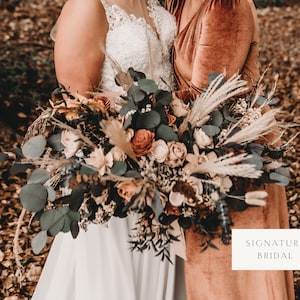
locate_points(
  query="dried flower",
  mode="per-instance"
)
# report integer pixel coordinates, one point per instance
(126, 189)
(117, 154)
(256, 198)
(171, 119)
(71, 142)
(98, 160)
(202, 139)
(180, 109)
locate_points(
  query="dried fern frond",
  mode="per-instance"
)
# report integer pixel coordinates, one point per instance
(212, 98)
(122, 77)
(228, 165)
(39, 125)
(117, 136)
(257, 129)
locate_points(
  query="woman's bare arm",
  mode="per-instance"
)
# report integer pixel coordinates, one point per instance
(81, 31)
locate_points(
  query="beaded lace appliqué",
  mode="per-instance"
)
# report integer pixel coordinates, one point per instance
(132, 42)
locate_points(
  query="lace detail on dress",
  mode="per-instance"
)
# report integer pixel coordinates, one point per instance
(132, 42)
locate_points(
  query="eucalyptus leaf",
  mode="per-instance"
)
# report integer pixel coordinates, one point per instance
(67, 224)
(162, 112)
(135, 94)
(273, 101)
(227, 115)
(51, 193)
(283, 171)
(127, 122)
(119, 168)
(210, 130)
(39, 176)
(255, 160)
(33, 196)
(136, 75)
(260, 100)
(88, 170)
(74, 229)
(255, 148)
(18, 168)
(96, 189)
(148, 120)
(76, 198)
(54, 142)
(148, 85)
(156, 205)
(34, 147)
(166, 133)
(17, 151)
(74, 215)
(216, 118)
(212, 76)
(127, 107)
(69, 217)
(3, 157)
(163, 97)
(39, 242)
(47, 218)
(133, 174)
(53, 220)
(280, 179)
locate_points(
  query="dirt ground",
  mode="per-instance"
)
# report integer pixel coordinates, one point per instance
(25, 25)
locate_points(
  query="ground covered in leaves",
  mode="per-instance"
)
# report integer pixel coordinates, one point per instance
(27, 78)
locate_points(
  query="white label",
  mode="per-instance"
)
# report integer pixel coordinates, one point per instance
(265, 249)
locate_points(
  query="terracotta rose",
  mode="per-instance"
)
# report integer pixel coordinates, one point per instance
(142, 142)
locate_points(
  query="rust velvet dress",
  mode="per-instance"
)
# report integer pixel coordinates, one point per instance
(223, 36)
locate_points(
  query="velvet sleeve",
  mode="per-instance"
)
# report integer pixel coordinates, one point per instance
(224, 42)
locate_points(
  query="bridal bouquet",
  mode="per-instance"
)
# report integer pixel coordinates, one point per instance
(174, 165)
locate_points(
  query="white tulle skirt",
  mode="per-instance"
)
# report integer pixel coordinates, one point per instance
(98, 265)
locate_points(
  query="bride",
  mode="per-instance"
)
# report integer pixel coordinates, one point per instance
(98, 264)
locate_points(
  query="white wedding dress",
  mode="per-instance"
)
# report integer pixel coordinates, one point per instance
(98, 264)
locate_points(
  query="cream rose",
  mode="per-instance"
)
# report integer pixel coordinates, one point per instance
(71, 142)
(160, 151)
(202, 139)
(142, 142)
(177, 154)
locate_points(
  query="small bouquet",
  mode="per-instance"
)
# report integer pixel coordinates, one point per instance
(173, 164)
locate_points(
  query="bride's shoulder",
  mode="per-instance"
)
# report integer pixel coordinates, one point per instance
(82, 9)
(87, 18)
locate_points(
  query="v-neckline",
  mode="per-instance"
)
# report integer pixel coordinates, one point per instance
(153, 27)
(191, 19)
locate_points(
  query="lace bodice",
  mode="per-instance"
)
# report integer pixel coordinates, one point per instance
(132, 42)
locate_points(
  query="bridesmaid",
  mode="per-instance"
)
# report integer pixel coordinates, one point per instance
(223, 35)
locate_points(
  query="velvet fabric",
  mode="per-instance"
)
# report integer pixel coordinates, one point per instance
(223, 36)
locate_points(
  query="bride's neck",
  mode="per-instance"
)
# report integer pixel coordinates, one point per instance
(136, 7)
